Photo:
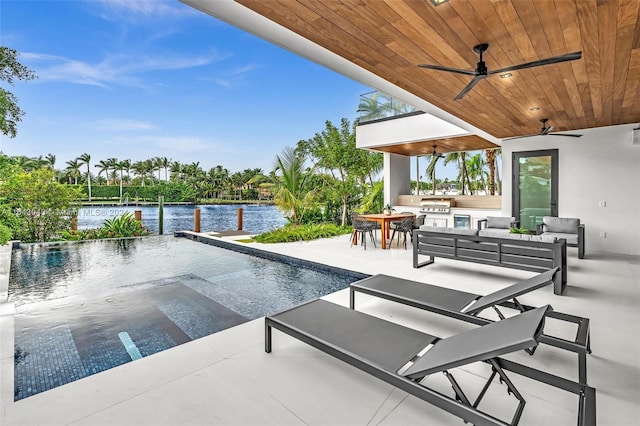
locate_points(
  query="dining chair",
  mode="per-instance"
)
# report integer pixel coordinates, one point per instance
(406, 225)
(362, 227)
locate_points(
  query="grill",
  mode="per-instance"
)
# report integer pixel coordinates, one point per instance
(437, 205)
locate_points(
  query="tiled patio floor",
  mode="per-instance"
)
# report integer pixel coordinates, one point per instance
(227, 378)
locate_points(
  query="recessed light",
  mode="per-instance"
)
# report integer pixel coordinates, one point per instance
(438, 2)
(505, 75)
(534, 109)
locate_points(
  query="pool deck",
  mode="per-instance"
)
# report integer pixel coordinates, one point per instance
(228, 379)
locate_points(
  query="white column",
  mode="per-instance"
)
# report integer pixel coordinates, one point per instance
(397, 177)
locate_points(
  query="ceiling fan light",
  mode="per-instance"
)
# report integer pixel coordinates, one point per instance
(534, 109)
(438, 2)
(506, 75)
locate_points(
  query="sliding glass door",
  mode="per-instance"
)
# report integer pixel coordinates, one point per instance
(534, 186)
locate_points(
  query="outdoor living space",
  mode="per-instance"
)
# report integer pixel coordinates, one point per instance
(227, 378)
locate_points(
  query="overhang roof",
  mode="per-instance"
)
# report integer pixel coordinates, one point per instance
(389, 39)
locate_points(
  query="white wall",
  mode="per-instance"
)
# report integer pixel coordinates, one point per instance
(406, 129)
(396, 177)
(602, 165)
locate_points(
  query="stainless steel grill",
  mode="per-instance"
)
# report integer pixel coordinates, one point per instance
(437, 205)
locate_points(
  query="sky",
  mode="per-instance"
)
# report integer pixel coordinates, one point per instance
(135, 79)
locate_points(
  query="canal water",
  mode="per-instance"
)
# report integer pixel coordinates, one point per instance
(256, 219)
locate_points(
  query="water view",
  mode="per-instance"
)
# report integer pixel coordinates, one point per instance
(256, 219)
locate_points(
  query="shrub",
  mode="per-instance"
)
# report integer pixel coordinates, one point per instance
(5, 234)
(290, 233)
(124, 226)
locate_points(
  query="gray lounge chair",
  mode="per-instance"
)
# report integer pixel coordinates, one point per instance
(467, 306)
(403, 357)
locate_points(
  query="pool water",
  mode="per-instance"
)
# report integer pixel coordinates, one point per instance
(87, 307)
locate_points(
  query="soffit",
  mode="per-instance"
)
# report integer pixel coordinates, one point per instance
(443, 146)
(389, 38)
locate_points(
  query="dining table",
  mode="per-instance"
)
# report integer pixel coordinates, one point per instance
(384, 220)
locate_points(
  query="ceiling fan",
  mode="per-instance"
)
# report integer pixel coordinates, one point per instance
(544, 131)
(481, 72)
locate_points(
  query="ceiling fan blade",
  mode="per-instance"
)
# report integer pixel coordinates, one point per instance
(546, 130)
(520, 137)
(564, 134)
(447, 69)
(556, 59)
(469, 86)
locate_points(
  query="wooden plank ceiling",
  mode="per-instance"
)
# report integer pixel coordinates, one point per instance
(390, 37)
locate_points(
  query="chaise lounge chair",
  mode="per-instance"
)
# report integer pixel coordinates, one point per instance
(467, 306)
(403, 357)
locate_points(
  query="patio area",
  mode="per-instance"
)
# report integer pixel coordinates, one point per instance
(227, 378)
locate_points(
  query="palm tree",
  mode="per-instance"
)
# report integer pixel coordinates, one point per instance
(86, 160)
(476, 170)
(112, 164)
(39, 162)
(460, 159)
(165, 163)
(104, 168)
(491, 155)
(176, 171)
(292, 195)
(73, 170)
(25, 163)
(122, 165)
(220, 177)
(139, 168)
(157, 166)
(431, 170)
(51, 161)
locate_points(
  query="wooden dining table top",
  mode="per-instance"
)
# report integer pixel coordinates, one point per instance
(387, 216)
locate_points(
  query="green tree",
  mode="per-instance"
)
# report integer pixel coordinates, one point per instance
(10, 112)
(345, 167)
(292, 195)
(73, 170)
(476, 171)
(42, 206)
(85, 159)
(460, 158)
(51, 161)
(104, 166)
(431, 171)
(122, 166)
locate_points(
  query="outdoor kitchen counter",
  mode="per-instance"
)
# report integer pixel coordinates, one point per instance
(468, 210)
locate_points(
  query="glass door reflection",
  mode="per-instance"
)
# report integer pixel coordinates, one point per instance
(535, 186)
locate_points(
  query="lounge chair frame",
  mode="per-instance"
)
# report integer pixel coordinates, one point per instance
(410, 381)
(581, 344)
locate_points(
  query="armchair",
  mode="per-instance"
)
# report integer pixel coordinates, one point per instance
(496, 226)
(564, 227)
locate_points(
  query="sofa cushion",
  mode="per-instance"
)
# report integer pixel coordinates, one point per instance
(460, 231)
(571, 238)
(493, 232)
(537, 238)
(565, 225)
(500, 222)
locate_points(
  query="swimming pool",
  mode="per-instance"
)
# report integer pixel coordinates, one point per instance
(86, 307)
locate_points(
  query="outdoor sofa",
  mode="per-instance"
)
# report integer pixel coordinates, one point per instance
(535, 253)
(468, 306)
(403, 357)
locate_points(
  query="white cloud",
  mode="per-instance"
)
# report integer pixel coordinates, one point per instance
(121, 125)
(113, 70)
(231, 78)
(133, 9)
